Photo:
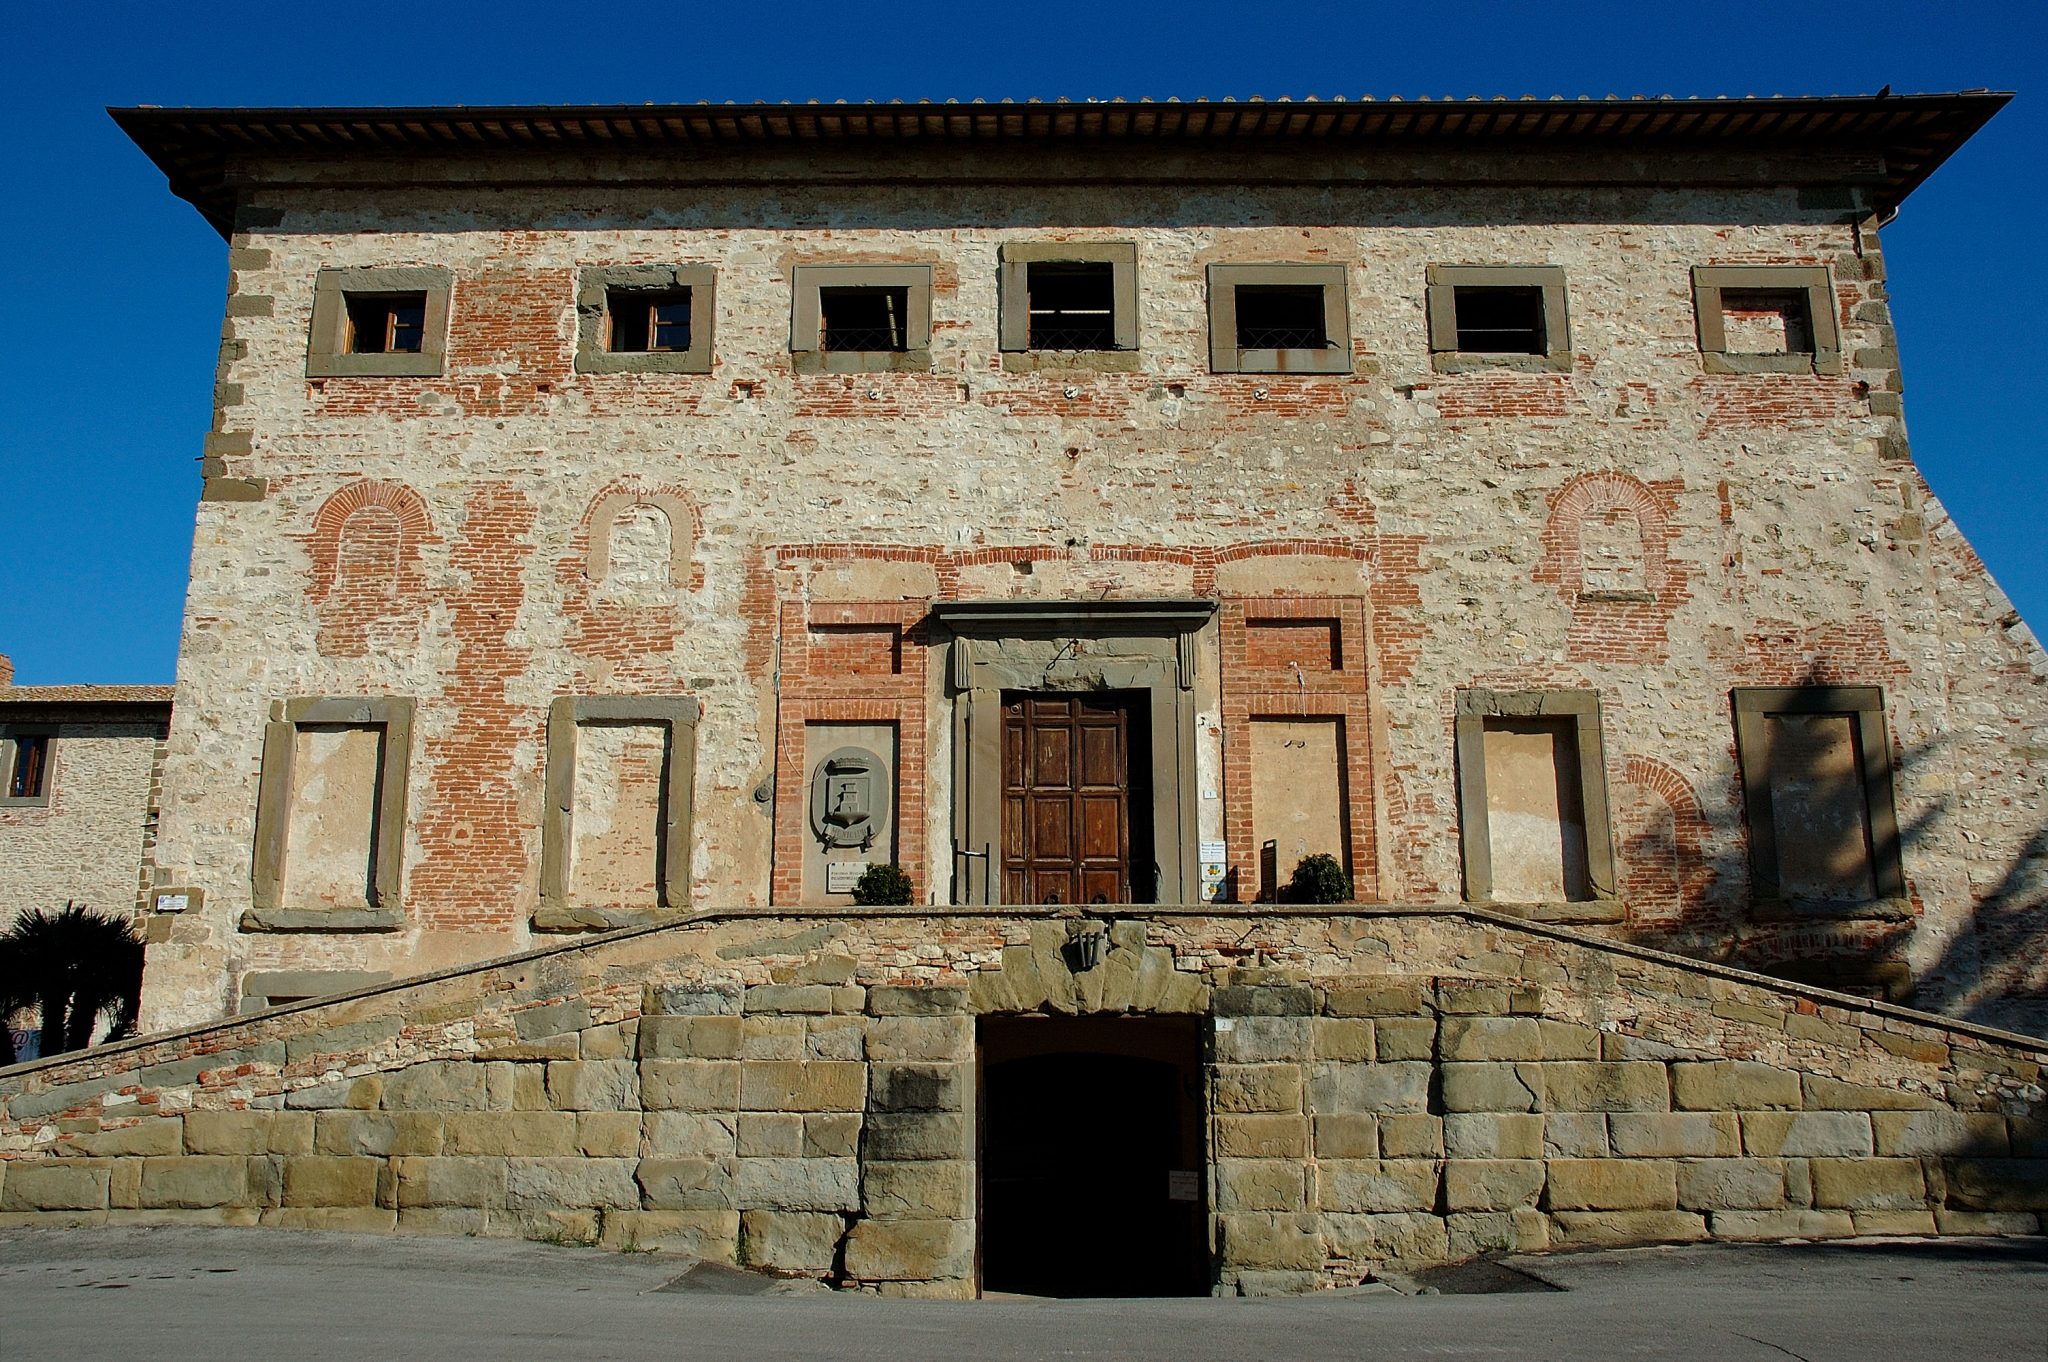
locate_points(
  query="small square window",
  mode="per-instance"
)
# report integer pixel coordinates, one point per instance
(1069, 305)
(645, 319)
(1817, 789)
(386, 323)
(861, 318)
(1498, 317)
(25, 766)
(1532, 803)
(379, 323)
(1766, 319)
(1278, 319)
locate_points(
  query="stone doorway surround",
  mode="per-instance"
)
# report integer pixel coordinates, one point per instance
(1134, 645)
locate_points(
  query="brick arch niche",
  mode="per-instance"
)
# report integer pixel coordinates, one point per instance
(1606, 548)
(640, 539)
(365, 544)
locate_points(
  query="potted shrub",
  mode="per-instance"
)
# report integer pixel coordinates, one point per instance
(883, 885)
(1319, 879)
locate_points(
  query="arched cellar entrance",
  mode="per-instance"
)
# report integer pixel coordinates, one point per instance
(1091, 1156)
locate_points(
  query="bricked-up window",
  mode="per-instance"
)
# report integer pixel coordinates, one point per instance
(861, 318)
(1498, 317)
(615, 839)
(25, 765)
(331, 815)
(1766, 319)
(1532, 802)
(1279, 319)
(1817, 790)
(379, 322)
(645, 319)
(1069, 303)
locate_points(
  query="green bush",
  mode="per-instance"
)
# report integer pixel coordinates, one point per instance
(882, 886)
(1319, 879)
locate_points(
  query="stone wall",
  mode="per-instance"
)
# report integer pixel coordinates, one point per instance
(796, 1092)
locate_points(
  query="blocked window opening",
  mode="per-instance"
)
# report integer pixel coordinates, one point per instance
(1532, 801)
(616, 856)
(857, 649)
(639, 550)
(1500, 321)
(337, 771)
(1311, 645)
(386, 323)
(1072, 304)
(1280, 317)
(642, 321)
(25, 756)
(1611, 553)
(330, 816)
(1763, 321)
(863, 319)
(615, 841)
(1092, 1159)
(1300, 797)
(367, 553)
(1817, 787)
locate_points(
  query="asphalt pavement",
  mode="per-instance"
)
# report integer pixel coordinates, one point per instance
(224, 1295)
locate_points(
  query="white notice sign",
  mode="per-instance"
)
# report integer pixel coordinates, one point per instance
(841, 876)
(1183, 1184)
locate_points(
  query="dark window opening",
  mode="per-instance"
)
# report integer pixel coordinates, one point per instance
(386, 323)
(1766, 321)
(863, 318)
(1073, 305)
(1281, 317)
(641, 321)
(1500, 320)
(31, 767)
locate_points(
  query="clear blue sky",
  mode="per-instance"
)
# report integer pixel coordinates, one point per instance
(112, 289)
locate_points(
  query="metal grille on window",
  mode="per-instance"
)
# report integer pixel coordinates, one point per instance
(1500, 321)
(1073, 305)
(1281, 317)
(863, 318)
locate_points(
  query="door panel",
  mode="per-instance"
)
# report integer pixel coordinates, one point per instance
(1066, 805)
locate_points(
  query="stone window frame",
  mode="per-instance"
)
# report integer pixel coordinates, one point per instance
(1708, 281)
(327, 353)
(1014, 305)
(680, 715)
(1752, 707)
(593, 285)
(268, 911)
(263, 989)
(8, 734)
(1474, 707)
(1225, 357)
(1442, 283)
(806, 313)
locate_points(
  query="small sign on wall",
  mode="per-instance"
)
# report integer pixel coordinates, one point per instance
(1183, 1184)
(841, 876)
(1214, 869)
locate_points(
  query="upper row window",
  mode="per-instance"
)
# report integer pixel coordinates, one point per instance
(1074, 305)
(25, 765)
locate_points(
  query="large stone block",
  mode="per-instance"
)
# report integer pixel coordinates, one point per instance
(1575, 1135)
(608, 1134)
(689, 1037)
(1576, 1085)
(797, 1184)
(593, 1085)
(1262, 1137)
(917, 1087)
(1492, 1184)
(1734, 1085)
(196, 1182)
(318, 1180)
(1731, 1184)
(1611, 1185)
(159, 1135)
(1262, 1040)
(1257, 1087)
(1669, 1135)
(785, 999)
(55, 1185)
(1493, 1135)
(771, 1135)
(1343, 1038)
(708, 1234)
(706, 1135)
(441, 1085)
(832, 1134)
(687, 1183)
(1868, 1184)
(1809, 1134)
(922, 1039)
(1377, 996)
(689, 1085)
(917, 1000)
(1987, 1184)
(773, 1037)
(835, 1038)
(1580, 1229)
(1781, 1224)
(1378, 1186)
(1261, 1185)
(918, 1135)
(1401, 1237)
(509, 1134)
(480, 1184)
(937, 1190)
(791, 1241)
(1411, 1136)
(1399, 1038)
(1295, 1000)
(570, 1184)
(694, 1000)
(1493, 1087)
(1832, 1094)
(251, 1132)
(551, 1019)
(1373, 1088)
(1972, 1134)
(909, 1250)
(1348, 1135)
(348, 1133)
(1270, 1240)
(1491, 1038)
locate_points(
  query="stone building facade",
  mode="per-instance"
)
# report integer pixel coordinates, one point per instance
(621, 526)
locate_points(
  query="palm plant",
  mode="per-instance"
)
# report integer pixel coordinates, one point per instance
(75, 967)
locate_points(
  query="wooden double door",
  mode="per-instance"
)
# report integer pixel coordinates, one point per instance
(1067, 799)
